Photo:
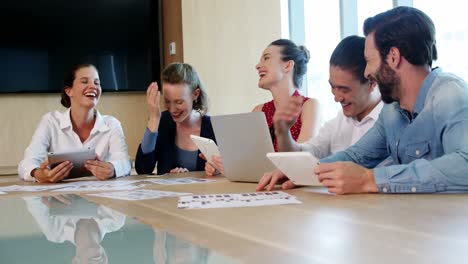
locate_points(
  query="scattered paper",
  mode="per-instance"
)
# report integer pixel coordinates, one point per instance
(29, 188)
(139, 195)
(179, 181)
(85, 186)
(236, 200)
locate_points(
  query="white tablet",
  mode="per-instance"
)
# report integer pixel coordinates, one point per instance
(206, 146)
(297, 166)
(77, 157)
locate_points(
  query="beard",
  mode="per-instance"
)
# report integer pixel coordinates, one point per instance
(389, 83)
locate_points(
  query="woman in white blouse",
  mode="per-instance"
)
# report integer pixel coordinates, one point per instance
(80, 127)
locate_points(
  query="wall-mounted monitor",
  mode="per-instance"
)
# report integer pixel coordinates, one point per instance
(41, 40)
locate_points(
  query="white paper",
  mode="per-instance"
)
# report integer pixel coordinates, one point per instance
(139, 195)
(28, 188)
(3, 193)
(236, 200)
(85, 186)
(179, 181)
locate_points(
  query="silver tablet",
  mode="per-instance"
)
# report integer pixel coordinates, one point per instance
(77, 157)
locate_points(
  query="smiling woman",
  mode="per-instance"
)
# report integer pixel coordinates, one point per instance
(167, 139)
(80, 127)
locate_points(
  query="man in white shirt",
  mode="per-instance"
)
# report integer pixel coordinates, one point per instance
(360, 101)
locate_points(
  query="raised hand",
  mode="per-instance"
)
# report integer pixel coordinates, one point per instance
(154, 111)
(286, 115)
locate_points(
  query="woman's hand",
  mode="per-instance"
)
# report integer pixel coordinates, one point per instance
(102, 170)
(211, 169)
(45, 175)
(178, 170)
(154, 111)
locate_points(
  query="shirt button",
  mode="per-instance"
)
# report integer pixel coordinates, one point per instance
(413, 189)
(384, 190)
(417, 152)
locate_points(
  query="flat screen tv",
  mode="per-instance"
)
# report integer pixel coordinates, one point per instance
(41, 40)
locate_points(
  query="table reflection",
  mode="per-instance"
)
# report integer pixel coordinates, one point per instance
(72, 218)
(85, 232)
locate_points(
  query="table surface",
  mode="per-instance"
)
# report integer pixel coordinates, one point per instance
(325, 228)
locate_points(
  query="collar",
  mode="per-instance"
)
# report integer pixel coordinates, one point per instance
(426, 85)
(65, 120)
(373, 115)
(99, 124)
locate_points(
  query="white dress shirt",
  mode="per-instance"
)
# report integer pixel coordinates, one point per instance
(55, 134)
(340, 133)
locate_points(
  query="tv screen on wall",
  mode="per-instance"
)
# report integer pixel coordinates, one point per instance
(42, 40)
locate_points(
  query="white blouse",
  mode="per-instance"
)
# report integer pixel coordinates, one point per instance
(55, 134)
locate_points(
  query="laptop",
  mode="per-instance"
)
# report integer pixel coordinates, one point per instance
(243, 142)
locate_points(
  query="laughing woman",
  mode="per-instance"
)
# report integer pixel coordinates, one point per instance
(80, 127)
(281, 69)
(167, 136)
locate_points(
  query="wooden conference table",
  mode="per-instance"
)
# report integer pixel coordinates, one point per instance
(325, 228)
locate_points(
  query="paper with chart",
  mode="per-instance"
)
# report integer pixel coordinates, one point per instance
(85, 186)
(176, 181)
(235, 200)
(136, 195)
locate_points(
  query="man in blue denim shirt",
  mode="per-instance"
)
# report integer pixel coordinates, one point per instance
(424, 125)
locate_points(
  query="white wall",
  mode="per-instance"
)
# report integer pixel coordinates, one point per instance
(223, 40)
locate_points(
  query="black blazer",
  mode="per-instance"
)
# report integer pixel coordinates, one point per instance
(165, 149)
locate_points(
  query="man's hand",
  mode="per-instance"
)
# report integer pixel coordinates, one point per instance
(286, 116)
(346, 177)
(270, 179)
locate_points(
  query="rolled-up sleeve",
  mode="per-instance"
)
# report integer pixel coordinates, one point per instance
(36, 152)
(118, 151)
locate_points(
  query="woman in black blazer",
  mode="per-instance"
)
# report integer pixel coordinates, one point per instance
(166, 141)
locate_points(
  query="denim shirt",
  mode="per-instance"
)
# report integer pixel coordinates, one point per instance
(428, 147)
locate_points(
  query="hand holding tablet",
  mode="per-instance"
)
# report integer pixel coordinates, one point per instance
(206, 146)
(297, 166)
(78, 158)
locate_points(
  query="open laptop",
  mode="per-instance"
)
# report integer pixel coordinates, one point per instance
(243, 141)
